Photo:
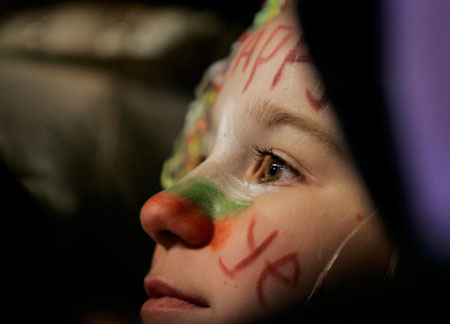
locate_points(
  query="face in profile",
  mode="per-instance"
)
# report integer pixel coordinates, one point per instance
(276, 211)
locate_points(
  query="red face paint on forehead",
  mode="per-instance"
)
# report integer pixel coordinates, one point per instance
(279, 36)
(297, 54)
(263, 57)
(316, 103)
(249, 45)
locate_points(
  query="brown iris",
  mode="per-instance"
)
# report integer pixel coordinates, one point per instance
(273, 170)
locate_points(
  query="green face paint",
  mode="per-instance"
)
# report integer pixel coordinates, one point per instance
(213, 202)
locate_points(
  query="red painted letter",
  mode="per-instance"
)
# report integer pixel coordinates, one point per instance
(247, 50)
(317, 104)
(260, 59)
(273, 269)
(294, 56)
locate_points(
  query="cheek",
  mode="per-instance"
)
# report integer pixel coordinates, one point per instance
(257, 264)
(278, 248)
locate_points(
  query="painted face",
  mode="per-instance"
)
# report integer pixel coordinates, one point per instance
(277, 210)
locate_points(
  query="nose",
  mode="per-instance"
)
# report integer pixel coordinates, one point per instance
(170, 219)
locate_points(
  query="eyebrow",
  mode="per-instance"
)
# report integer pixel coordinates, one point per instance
(271, 115)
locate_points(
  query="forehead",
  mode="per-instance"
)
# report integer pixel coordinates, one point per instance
(273, 64)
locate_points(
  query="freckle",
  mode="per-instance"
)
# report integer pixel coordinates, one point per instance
(225, 283)
(359, 217)
(235, 285)
(222, 231)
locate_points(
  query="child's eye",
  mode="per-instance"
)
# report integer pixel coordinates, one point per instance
(272, 167)
(274, 170)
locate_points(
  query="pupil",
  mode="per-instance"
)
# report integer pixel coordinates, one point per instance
(273, 169)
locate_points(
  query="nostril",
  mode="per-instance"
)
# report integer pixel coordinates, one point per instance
(166, 237)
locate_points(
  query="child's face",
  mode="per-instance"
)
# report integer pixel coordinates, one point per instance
(276, 204)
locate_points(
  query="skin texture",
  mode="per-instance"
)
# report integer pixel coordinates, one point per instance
(303, 234)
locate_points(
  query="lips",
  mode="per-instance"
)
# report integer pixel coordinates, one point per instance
(162, 295)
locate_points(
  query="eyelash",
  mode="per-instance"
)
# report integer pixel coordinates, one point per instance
(261, 155)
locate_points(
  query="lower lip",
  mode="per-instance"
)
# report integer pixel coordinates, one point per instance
(167, 305)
